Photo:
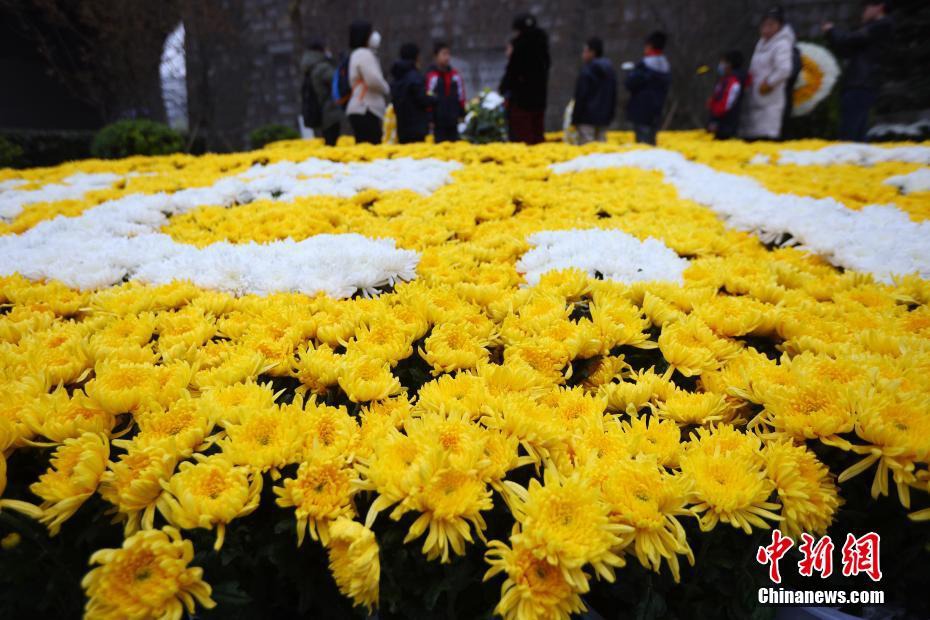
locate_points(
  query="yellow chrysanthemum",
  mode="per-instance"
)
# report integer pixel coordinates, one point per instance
(58, 416)
(566, 522)
(642, 495)
(692, 348)
(534, 588)
(354, 561)
(148, 577)
(133, 484)
(693, 408)
(453, 346)
(318, 368)
(806, 490)
(74, 473)
(366, 378)
(121, 387)
(449, 499)
(653, 436)
(211, 492)
(730, 482)
(895, 428)
(181, 428)
(321, 493)
(267, 439)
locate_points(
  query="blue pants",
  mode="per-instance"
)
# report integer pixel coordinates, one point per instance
(855, 105)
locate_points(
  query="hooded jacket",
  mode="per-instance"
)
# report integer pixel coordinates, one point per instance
(411, 103)
(648, 84)
(771, 63)
(526, 79)
(862, 50)
(595, 94)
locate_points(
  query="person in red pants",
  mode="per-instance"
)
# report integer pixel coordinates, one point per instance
(526, 81)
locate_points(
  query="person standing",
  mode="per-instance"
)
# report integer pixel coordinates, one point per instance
(724, 104)
(368, 102)
(408, 93)
(770, 67)
(444, 84)
(862, 49)
(595, 94)
(526, 81)
(317, 68)
(648, 84)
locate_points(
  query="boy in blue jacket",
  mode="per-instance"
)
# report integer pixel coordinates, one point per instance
(648, 84)
(595, 94)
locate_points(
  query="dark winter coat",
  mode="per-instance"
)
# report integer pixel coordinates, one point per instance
(321, 76)
(862, 50)
(447, 89)
(526, 79)
(411, 103)
(648, 84)
(595, 94)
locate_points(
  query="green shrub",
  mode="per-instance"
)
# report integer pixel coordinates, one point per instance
(136, 137)
(11, 155)
(267, 134)
(48, 147)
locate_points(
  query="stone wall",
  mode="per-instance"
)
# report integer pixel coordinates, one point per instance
(252, 77)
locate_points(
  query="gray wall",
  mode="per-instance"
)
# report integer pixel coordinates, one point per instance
(242, 54)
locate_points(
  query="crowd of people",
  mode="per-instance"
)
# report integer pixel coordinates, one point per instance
(751, 102)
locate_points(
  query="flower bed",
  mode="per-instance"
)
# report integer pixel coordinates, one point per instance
(456, 380)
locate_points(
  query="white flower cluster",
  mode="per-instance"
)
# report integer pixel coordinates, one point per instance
(878, 239)
(858, 154)
(913, 131)
(74, 187)
(917, 181)
(118, 239)
(491, 100)
(613, 254)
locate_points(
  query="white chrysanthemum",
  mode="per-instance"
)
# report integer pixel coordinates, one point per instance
(614, 254)
(118, 239)
(917, 181)
(878, 239)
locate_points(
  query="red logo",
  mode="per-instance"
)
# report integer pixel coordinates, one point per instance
(860, 555)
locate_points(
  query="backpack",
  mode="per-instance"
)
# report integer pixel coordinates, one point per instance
(795, 68)
(790, 83)
(310, 102)
(342, 90)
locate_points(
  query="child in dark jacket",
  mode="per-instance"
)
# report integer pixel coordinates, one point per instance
(408, 93)
(725, 103)
(648, 84)
(445, 86)
(595, 94)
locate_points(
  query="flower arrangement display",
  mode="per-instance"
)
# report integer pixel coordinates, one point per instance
(485, 118)
(819, 72)
(458, 379)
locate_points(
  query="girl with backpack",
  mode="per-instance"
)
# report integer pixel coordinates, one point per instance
(368, 100)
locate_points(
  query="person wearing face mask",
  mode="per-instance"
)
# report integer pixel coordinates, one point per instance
(861, 50)
(770, 67)
(370, 90)
(724, 103)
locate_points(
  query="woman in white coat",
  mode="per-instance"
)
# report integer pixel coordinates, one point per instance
(769, 68)
(370, 90)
